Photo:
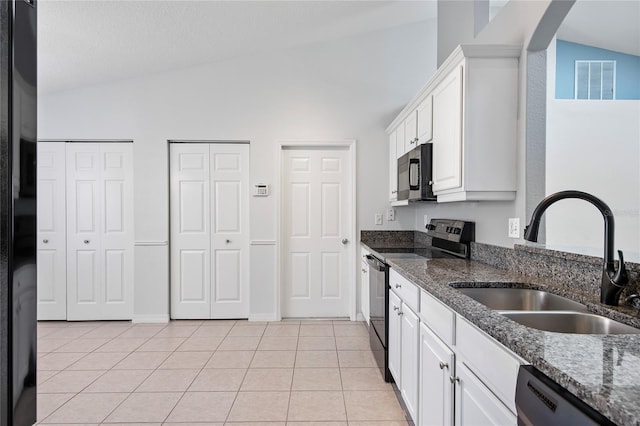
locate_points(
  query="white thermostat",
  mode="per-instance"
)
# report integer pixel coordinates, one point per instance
(260, 190)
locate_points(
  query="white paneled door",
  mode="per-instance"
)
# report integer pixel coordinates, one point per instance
(52, 264)
(209, 230)
(99, 178)
(317, 222)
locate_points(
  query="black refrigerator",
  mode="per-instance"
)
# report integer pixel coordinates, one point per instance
(18, 135)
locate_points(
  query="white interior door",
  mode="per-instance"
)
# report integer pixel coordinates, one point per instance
(229, 171)
(52, 264)
(317, 192)
(190, 231)
(99, 231)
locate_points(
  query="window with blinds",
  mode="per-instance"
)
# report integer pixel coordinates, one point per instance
(595, 80)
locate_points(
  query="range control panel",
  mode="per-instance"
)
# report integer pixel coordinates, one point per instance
(458, 231)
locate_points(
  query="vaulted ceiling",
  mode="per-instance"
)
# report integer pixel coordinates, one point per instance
(87, 42)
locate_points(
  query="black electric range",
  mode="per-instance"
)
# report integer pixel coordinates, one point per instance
(450, 239)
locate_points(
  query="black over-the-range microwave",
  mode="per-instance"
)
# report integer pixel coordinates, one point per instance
(414, 174)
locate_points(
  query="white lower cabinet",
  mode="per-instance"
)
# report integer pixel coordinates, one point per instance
(475, 404)
(409, 366)
(447, 370)
(437, 370)
(394, 345)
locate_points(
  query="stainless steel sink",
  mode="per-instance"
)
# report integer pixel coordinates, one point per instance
(570, 322)
(521, 299)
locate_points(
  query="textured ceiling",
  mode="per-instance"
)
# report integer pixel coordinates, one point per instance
(82, 43)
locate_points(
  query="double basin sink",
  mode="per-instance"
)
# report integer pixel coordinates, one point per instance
(545, 311)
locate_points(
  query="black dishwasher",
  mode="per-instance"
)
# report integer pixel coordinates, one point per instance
(542, 402)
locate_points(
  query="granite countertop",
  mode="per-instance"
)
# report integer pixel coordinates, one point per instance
(602, 370)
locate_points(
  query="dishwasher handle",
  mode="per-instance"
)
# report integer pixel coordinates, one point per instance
(376, 263)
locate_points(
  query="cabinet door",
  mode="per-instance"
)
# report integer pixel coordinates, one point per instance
(447, 133)
(400, 147)
(364, 290)
(393, 168)
(475, 404)
(395, 337)
(410, 131)
(425, 115)
(410, 330)
(52, 271)
(436, 390)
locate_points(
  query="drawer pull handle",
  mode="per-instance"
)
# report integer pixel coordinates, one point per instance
(443, 365)
(395, 308)
(454, 379)
(399, 312)
(398, 286)
(45, 241)
(86, 241)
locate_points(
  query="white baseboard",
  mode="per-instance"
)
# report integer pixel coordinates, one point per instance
(150, 319)
(264, 317)
(359, 317)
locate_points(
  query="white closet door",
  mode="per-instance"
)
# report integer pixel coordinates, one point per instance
(52, 268)
(190, 231)
(117, 230)
(83, 232)
(229, 172)
(99, 231)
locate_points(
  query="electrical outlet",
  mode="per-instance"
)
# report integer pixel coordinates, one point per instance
(378, 218)
(391, 215)
(514, 227)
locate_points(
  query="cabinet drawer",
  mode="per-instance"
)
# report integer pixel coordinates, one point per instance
(440, 319)
(495, 365)
(408, 291)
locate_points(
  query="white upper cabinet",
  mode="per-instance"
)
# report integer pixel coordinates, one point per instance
(468, 110)
(393, 168)
(447, 140)
(411, 132)
(425, 116)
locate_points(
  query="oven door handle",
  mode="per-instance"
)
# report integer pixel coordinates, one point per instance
(372, 261)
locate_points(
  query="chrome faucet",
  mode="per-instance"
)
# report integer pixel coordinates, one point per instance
(612, 282)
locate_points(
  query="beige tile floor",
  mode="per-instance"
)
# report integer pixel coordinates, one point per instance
(305, 373)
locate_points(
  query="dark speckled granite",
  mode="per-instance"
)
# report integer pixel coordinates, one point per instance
(602, 370)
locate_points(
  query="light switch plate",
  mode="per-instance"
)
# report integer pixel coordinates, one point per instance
(378, 218)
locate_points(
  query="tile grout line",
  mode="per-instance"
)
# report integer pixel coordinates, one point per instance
(344, 400)
(133, 351)
(293, 375)
(187, 388)
(226, 419)
(65, 369)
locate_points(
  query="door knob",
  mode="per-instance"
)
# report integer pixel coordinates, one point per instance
(45, 241)
(345, 241)
(86, 241)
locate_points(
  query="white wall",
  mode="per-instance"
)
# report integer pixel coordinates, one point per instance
(592, 146)
(344, 89)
